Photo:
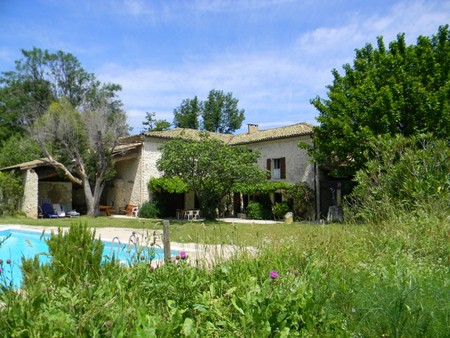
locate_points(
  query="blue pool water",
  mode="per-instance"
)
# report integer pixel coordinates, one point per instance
(29, 243)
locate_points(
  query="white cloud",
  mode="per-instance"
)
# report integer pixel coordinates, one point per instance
(275, 83)
(269, 84)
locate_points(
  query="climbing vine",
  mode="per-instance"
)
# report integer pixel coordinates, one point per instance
(172, 185)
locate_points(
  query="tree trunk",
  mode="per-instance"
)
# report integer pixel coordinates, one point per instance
(98, 189)
(91, 209)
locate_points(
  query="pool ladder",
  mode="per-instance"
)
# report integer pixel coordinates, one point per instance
(111, 251)
(133, 242)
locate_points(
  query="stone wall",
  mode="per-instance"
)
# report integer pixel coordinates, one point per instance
(119, 194)
(189, 200)
(151, 153)
(30, 197)
(132, 177)
(298, 168)
(56, 192)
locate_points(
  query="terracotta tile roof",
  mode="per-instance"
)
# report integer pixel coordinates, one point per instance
(122, 148)
(187, 133)
(298, 129)
(130, 139)
(27, 165)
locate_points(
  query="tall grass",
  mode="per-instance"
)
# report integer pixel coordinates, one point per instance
(347, 280)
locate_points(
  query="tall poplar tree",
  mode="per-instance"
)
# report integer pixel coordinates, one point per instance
(219, 113)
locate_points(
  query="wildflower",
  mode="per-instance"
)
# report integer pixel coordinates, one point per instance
(1, 261)
(8, 261)
(273, 274)
(1, 270)
(183, 255)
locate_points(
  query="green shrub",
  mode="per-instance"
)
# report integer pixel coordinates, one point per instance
(149, 209)
(259, 209)
(76, 255)
(11, 191)
(404, 175)
(280, 209)
(303, 200)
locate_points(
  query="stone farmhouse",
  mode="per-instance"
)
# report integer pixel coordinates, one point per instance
(135, 164)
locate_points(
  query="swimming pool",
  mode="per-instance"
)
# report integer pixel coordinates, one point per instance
(27, 244)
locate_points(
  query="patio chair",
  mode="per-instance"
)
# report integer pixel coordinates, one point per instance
(135, 212)
(59, 210)
(196, 214)
(128, 210)
(47, 211)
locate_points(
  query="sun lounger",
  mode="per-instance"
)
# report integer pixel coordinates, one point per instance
(47, 211)
(59, 210)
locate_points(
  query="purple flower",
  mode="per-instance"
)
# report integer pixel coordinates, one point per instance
(183, 255)
(1, 269)
(273, 274)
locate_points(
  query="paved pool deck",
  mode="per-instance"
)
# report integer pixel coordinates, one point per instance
(201, 255)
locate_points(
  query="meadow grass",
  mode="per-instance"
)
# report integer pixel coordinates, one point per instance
(348, 280)
(203, 232)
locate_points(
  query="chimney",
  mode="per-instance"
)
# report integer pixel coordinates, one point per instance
(252, 128)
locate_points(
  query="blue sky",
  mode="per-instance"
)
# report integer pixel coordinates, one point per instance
(274, 55)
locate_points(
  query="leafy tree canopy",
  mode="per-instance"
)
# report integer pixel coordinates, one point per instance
(11, 191)
(262, 188)
(40, 78)
(18, 149)
(395, 90)
(210, 168)
(155, 125)
(187, 114)
(75, 119)
(219, 113)
(172, 185)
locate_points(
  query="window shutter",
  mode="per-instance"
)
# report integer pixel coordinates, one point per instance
(283, 167)
(269, 168)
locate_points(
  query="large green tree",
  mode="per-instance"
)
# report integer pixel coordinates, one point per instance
(219, 113)
(152, 124)
(391, 90)
(75, 119)
(187, 114)
(210, 168)
(41, 77)
(18, 149)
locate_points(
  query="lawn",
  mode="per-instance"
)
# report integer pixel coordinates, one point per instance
(244, 234)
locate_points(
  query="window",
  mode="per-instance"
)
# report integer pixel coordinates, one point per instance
(276, 173)
(276, 168)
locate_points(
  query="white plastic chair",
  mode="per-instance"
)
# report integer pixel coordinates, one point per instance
(135, 212)
(188, 214)
(196, 214)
